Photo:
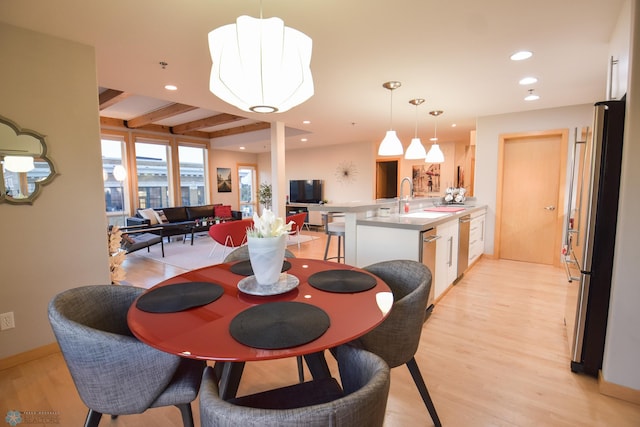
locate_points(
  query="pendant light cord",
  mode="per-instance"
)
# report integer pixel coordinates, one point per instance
(391, 111)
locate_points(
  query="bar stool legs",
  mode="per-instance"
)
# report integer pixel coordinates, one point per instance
(341, 248)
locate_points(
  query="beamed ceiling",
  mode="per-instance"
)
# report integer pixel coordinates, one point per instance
(454, 54)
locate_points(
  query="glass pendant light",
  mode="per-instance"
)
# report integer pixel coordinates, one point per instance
(391, 145)
(416, 150)
(435, 154)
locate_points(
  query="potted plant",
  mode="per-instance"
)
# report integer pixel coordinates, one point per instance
(265, 195)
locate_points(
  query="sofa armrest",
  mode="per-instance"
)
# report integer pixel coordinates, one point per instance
(134, 220)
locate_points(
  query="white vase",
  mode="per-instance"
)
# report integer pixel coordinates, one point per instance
(266, 255)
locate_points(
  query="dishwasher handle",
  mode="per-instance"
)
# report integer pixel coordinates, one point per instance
(431, 238)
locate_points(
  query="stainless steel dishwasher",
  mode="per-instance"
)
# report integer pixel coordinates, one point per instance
(428, 258)
(463, 244)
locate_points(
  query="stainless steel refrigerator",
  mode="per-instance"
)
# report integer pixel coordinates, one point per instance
(591, 232)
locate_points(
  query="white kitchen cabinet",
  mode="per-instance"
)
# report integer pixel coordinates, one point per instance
(476, 236)
(376, 244)
(446, 256)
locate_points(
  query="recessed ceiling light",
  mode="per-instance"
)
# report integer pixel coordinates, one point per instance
(528, 81)
(523, 54)
(242, 148)
(171, 87)
(453, 125)
(306, 122)
(304, 139)
(531, 96)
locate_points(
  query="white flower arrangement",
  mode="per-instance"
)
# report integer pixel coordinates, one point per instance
(116, 256)
(268, 225)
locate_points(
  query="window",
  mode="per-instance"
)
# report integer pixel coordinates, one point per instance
(114, 190)
(153, 175)
(193, 187)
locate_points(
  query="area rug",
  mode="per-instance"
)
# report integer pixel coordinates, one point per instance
(204, 251)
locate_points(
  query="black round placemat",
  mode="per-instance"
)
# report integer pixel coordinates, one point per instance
(281, 324)
(179, 297)
(244, 268)
(342, 281)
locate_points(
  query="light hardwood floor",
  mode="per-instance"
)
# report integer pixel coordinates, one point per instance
(494, 353)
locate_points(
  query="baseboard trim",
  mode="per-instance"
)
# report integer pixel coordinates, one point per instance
(618, 391)
(28, 356)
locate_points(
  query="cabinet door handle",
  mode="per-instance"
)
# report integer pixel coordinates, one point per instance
(450, 262)
(550, 208)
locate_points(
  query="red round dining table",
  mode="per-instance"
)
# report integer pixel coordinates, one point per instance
(203, 332)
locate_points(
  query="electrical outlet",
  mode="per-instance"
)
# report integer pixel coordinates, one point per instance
(6, 321)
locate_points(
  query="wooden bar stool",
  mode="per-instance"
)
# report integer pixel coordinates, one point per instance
(334, 228)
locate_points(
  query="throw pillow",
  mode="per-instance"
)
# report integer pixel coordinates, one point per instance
(223, 211)
(160, 216)
(149, 214)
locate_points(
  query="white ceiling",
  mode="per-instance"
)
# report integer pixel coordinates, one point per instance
(453, 53)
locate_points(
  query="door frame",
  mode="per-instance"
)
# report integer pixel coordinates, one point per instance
(563, 134)
(395, 160)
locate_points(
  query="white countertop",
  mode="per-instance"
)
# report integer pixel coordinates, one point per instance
(413, 221)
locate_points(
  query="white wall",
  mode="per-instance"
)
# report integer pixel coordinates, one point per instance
(228, 159)
(49, 85)
(323, 163)
(622, 348)
(488, 131)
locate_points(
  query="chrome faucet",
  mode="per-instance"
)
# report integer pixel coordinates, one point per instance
(406, 178)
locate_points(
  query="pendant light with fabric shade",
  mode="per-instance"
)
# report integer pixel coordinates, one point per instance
(435, 154)
(391, 145)
(416, 150)
(260, 66)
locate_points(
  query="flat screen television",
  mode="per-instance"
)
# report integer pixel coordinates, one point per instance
(305, 191)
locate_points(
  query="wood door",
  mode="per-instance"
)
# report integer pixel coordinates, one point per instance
(529, 208)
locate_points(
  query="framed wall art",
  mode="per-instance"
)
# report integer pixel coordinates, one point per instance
(224, 180)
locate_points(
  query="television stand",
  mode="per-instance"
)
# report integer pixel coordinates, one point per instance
(314, 218)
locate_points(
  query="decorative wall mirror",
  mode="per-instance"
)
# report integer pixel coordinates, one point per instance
(25, 165)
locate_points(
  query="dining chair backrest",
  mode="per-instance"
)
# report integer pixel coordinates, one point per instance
(231, 233)
(115, 373)
(397, 338)
(365, 382)
(242, 254)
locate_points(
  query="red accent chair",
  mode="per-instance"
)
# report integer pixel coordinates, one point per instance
(229, 234)
(298, 222)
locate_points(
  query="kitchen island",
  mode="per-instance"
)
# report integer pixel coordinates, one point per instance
(372, 236)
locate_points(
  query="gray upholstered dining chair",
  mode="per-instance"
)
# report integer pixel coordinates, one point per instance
(242, 254)
(361, 401)
(114, 372)
(397, 338)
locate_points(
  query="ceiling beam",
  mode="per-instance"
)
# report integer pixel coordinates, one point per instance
(240, 129)
(121, 124)
(159, 114)
(111, 96)
(218, 119)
